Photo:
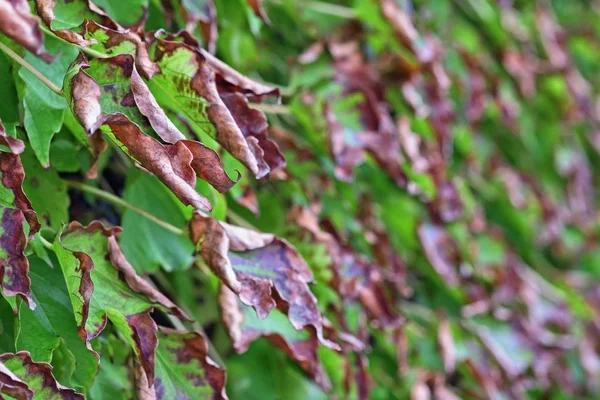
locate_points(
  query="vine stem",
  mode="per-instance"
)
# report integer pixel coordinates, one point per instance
(122, 203)
(21, 61)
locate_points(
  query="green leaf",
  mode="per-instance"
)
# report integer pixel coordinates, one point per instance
(47, 192)
(103, 286)
(42, 330)
(38, 376)
(145, 244)
(126, 13)
(183, 368)
(43, 109)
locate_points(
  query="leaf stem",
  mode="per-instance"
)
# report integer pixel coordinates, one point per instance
(21, 61)
(46, 243)
(122, 203)
(88, 51)
(239, 220)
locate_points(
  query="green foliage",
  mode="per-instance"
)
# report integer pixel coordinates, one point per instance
(362, 199)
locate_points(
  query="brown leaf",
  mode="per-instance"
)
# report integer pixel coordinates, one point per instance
(243, 328)
(135, 282)
(186, 371)
(440, 251)
(259, 10)
(113, 38)
(263, 270)
(177, 165)
(15, 146)
(11, 385)
(45, 9)
(14, 266)
(221, 95)
(17, 22)
(38, 376)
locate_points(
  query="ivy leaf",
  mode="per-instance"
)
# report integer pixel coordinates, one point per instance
(17, 22)
(244, 327)
(42, 330)
(183, 369)
(11, 385)
(38, 377)
(256, 266)
(103, 285)
(15, 209)
(147, 245)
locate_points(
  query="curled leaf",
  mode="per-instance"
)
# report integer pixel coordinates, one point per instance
(37, 376)
(103, 286)
(244, 327)
(183, 369)
(15, 210)
(263, 270)
(17, 22)
(111, 103)
(197, 83)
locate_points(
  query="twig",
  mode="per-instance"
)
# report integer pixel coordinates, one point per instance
(122, 203)
(21, 61)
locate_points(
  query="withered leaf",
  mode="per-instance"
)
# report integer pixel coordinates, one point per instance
(118, 103)
(265, 271)
(37, 377)
(183, 369)
(203, 95)
(244, 327)
(103, 286)
(15, 209)
(17, 22)
(73, 14)
(11, 385)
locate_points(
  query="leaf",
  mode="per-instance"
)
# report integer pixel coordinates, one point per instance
(65, 18)
(43, 109)
(11, 385)
(103, 285)
(244, 327)
(42, 330)
(126, 13)
(192, 84)
(203, 13)
(147, 245)
(183, 369)
(253, 265)
(12, 144)
(17, 22)
(259, 10)
(38, 376)
(47, 192)
(15, 209)
(111, 104)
